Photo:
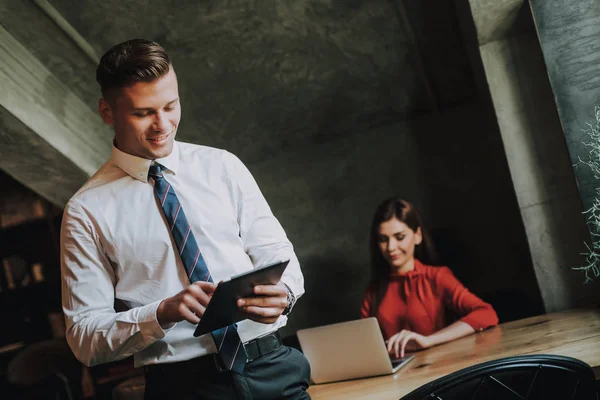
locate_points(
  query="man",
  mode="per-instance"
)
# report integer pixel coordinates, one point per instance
(154, 228)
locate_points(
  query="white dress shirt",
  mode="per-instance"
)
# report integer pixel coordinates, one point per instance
(115, 244)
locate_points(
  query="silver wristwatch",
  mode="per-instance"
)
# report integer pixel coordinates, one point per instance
(291, 300)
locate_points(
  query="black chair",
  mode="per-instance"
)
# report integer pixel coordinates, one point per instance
(527, 377)
(46, 370)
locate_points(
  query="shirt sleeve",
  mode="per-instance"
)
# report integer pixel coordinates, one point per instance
(95, 332)
(470, 308)
(264, 239)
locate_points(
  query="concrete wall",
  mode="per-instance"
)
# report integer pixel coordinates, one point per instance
(334, 106)
(325, 195)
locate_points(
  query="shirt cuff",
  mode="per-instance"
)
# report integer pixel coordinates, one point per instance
(474, 323)
(148, 321)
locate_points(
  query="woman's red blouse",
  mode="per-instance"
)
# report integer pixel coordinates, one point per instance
(426, 300)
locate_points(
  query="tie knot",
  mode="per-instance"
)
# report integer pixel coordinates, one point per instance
(155, 171)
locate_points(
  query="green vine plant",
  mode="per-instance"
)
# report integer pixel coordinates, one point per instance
(591, 267)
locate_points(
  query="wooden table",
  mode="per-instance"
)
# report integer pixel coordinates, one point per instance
(573, 333)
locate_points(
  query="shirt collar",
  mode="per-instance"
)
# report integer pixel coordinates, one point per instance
(419, 270)
(137, 167)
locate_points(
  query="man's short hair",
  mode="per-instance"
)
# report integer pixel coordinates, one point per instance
(135, 60)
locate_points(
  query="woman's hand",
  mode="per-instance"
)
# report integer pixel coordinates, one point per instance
(407, 340)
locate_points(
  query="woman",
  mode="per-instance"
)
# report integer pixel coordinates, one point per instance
(416, 304)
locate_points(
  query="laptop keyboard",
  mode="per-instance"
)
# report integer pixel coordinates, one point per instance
(398, 361)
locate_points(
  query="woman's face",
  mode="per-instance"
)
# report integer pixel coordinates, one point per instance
(397, 243)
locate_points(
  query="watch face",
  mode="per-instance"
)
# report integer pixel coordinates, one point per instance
(290, 301)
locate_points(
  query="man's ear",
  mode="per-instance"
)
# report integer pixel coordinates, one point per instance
(105, 111)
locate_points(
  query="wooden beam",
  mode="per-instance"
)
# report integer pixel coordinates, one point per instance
(31, 160)
(45, 106)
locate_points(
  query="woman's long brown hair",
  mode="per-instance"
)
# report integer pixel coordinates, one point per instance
(425, 252)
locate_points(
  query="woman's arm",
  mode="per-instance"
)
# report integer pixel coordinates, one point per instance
(451, 332)
(408, 340)
(365, 310)
(474, 313)
(457, 298)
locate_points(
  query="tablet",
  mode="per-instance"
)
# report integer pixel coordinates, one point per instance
(222, 309)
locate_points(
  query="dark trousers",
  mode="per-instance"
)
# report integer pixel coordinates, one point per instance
(280, 374)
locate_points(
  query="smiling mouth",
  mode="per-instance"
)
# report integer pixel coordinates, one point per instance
(160, 138)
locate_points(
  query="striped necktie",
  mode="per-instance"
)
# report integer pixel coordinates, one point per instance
(231, 352)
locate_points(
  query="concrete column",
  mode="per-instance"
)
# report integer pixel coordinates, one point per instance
(536, 150)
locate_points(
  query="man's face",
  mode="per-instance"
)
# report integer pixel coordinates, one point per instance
(145, 116)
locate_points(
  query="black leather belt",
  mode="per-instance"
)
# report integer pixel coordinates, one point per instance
(257, 347)
(254, 349)
(263, 345)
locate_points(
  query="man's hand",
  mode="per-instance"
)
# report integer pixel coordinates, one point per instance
(407, 340)
(267, 304)
(189, 304)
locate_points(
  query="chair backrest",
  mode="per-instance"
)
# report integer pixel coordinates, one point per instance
(527, 377)
(48, 366)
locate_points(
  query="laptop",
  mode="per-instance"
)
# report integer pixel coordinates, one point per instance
(347, 350)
